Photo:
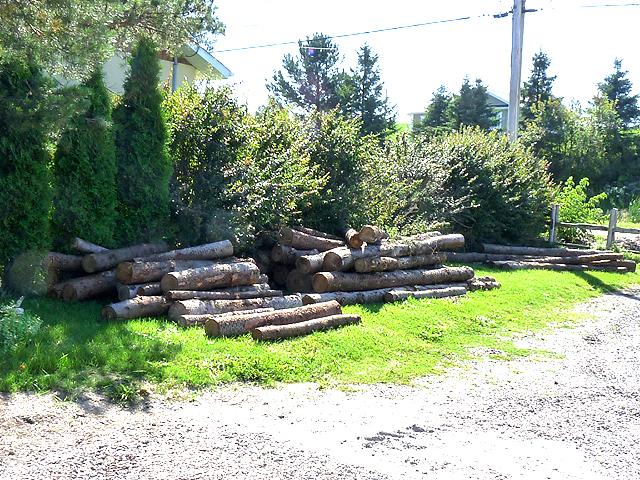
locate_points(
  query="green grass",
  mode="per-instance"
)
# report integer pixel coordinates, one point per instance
(74, 352)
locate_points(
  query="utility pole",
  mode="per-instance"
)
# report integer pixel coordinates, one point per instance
(516, 69)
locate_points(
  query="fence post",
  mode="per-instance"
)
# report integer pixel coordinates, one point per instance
(553, 229)
(613, 222)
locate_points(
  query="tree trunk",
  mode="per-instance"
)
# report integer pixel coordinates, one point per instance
(304, 241)
(86, 247)
(315, 233)
(383, 264)
(549, 252)
(353, 238)
(280, 274)
(341, 259)
(289, 255)
(137, 307)
(372, 234)
(397, 295)
(129, 273)
(630, 265)
(214, 307)
(186, 321)
(314, 263)
(90, 286)
(349, 282)
(96, 262)
(299, 282)
(558, 267)
(276, 332)
(63, 262)
(55, 291)
(233, 293)
(127, 292)
(242, 324)
(209, 251)
(347, 298)
(212, 277)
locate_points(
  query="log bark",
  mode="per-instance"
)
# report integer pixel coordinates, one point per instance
(372, 234)
(89, 286)
(299, 282)
(315, 263)
(129, 273)
(211, 277)
(138, 307)
(630, 265)
(277, 332)
(454, 257)
(63, 262)
(304, 241)
(353, 238)
(349, 282)
(383, 264)
(209, 251)
(289, 255)
(96, 262)
(280, 274)
(127, 292)
(186, 321)
(232, 293)
(397, 295)
(214, 307)
(315, 233)
(55, 291)
(558, 267)
(86, 247)
(347, 298)
(547, 252)
(241, 324)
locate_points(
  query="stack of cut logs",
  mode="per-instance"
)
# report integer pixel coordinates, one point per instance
(558, 259)
(365, 268)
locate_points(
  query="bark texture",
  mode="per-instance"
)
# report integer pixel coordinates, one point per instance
(83, 246)
(186, 321)
(211, 277)
(129, 273)
(548, 252)
(347, 298)
(372, 234)
(289, 255)
(304, 241)
(209, 251)
(127, 292)
(138, 307)
(397, 295)
(353, 238)
(96, 262)
(90, 286)
(383, 264)
(223, 295)
(276, 332)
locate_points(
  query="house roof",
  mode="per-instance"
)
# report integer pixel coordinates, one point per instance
(203, 60)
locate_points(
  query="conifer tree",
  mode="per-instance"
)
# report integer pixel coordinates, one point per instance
(471, 107)
(617, 88)
(538, 87)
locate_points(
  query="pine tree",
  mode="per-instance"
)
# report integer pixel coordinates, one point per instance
(362, 96)
(538, 88)
(143, 162)
(471, 107)
(617, 88)
(437, 113)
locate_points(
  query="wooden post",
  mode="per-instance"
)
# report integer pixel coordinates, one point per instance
(516, 69)
(553, 229)
(613, 222)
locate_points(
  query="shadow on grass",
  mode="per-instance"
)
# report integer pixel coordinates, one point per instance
(603, 287)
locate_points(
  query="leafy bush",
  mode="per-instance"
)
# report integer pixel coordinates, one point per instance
(575, 207)
(15, 325)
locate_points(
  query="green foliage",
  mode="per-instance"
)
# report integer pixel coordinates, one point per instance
(470, 107)
(576, 207)
(617, 88)
(437, 113)
(25, 192)
(16, 326)
(538, 88)
(142, 158)
(84, 172)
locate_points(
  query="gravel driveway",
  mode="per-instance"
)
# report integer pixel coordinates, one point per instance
(575, 415)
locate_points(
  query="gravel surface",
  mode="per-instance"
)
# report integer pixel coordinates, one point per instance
(573, 415)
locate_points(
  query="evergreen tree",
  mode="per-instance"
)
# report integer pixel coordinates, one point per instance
(362, 95)
(312, 78)
(617, 88)
(84, 172)
(538, 87)
(142, 159)
(471, 107)
(437, 114)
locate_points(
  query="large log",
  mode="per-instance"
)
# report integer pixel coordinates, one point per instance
(454, 257)
(186, 321)
(547, 252)
(241, 324)
(209, 251)
(383, 264)
(347, 298)
(350, 282)
(211, 277)
(277, 332)
(315, 233)
(129, 273)
(280, 274)
(304, 241)
(558, 267)
(127, 292)
(314, 263)
(353, 238)
(90, 286)
(231, 293)
(214, 307)
(95, 262)
(63, 262)
(289, 255)
(299, 282)
(138, 307)
(397, 295)
(372, 234)
(84, 246)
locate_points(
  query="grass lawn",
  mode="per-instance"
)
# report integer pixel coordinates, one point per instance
(74, 351)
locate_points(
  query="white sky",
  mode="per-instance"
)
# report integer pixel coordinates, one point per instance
(582, 43)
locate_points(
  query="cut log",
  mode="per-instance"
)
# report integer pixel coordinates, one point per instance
(211, 277)
(383, 264)
(304, 241)
(316, 233)
(397, 295)
(280, 274)
(214, 307)
(96, 262)
(129, 273)
(64, 262)
(242, 324)
(372, 234)
(232, 293)
(289, 255)
(630, 265)
(299, 282)
(353, 238)
(277, 332)
(86, 247)
(138, 307)
(558, 267)
(347, 298)
(186, 321)
(90, 286)
(55, 291)
(315, 263)
(350, 282)
(209, 251)
(454, 257)
(546, 252)
(127, 292)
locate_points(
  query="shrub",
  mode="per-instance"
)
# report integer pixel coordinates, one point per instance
(16, 326)
(575, 207)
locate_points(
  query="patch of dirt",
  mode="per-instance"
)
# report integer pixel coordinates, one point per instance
(574, 415)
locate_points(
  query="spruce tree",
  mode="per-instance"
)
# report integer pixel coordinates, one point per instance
(437, 113)
(143, 164)
(538, 88)
(471, 107)
(84, 172)
(617, 88)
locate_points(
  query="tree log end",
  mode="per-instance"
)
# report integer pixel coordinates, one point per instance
(89, 263)
(124, 273)
(69, 294)
(320, 282)
(212, 328)
(108, 313)
(169, 282)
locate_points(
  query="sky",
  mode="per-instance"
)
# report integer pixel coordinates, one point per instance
(582, 38)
